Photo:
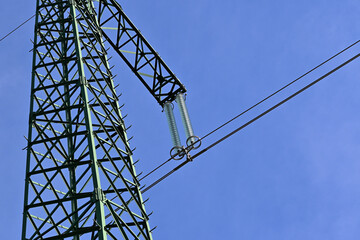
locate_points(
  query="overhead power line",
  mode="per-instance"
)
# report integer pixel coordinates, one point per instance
(257, 104)
(281, 89)
(250, 122)
(17, 27)
(242, 113)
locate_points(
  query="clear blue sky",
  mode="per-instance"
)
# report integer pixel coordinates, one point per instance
(294, 174)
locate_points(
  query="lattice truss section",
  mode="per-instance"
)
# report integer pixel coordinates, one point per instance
(80, 179)
(136, 52)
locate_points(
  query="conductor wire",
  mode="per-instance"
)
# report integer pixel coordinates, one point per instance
(281, 89)
(257, 104)
(250, 122)
(17, 28)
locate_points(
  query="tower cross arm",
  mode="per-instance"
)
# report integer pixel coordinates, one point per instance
(136, 52)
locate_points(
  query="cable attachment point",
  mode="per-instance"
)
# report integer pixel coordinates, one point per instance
(188, 156)
(177, 153)
(193, 142)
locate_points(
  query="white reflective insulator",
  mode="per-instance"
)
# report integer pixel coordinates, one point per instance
(172, 125)
(190, 137)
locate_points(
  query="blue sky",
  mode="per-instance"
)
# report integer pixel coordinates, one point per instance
(294, 174)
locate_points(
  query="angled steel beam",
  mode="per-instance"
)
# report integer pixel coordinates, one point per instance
(136, 51)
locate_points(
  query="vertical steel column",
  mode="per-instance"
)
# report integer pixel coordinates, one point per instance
(69, 126)
(80, 178)
(98, 193)
(28, 150)
(132, 165)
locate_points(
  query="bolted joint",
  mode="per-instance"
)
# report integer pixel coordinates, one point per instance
(83, 81)
(98, 195)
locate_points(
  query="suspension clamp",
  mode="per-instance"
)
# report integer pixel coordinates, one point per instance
(188, 156)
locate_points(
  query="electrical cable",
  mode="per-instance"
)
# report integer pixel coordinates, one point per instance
(17, 28)
(257, 104)
(250, 122)
(155, 169)
(281, 89)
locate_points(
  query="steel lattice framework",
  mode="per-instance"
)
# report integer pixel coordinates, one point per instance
(81, 181)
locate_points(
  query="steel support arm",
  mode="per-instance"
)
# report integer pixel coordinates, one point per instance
(136, 52)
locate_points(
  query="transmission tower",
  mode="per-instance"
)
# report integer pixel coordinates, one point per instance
(80, 180)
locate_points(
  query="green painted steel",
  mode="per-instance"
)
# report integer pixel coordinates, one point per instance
(136, 52)
(80, 179)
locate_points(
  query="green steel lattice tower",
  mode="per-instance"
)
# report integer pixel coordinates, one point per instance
(80, 180)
